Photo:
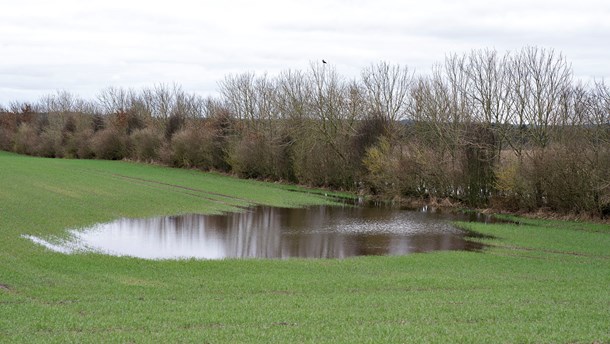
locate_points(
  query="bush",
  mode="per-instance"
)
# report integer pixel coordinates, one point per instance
(26, 139)
(186, 150)
(50, 144)
(110, 144)
(195, 147)
(7, 139)
(80, 144)
(438, 174)
(146, 144)
(319, 164)
(383, 168)
(567, 183)
(257, 156)
(514, 190)
(250, 157)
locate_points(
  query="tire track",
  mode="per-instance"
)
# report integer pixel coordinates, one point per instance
(207, 195)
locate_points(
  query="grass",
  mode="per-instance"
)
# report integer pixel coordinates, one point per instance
(538, 282)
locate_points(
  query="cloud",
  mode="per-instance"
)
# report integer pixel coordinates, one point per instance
(86, 46)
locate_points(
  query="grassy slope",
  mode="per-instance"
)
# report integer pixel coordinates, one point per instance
(541, 281)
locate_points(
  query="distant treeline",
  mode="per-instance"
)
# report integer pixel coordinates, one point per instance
(512, 131)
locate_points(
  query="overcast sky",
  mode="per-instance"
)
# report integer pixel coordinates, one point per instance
(85, 46)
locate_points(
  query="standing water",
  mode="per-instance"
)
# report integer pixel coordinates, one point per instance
(267, 232)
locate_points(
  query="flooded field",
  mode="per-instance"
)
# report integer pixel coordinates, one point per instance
(266, 232)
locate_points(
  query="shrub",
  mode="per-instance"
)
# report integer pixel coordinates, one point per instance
(514, 190)
(146, 144)
(250, 157)
(7, 139)
(195, 147)
(567, 182)
(383, 169)
(184, 150)
(80, 145)
(50, 144)
(257, 156)
(26, 139)
(110, 144)
(320, 164)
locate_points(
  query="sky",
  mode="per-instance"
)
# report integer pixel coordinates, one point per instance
(85, 46)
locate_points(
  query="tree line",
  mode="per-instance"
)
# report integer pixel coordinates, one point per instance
(514, 131)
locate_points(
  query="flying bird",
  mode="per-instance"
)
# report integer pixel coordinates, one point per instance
(323, 61)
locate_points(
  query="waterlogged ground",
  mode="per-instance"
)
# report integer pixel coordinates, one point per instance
(271, 232)
(534, 282)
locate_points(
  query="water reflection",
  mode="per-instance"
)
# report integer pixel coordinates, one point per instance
(265, 232)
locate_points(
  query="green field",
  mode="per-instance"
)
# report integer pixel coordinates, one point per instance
(538, 282)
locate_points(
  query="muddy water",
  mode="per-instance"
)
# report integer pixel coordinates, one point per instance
(264, 232)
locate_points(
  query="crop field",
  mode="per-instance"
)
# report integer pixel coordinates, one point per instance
(536, 281)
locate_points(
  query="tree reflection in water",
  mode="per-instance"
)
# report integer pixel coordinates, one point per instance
(265, 232)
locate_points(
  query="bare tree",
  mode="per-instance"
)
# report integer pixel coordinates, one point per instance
(115, 100)
(327, 108)
(487, 94)
(545, 76)
(387, 92)
(598, 140)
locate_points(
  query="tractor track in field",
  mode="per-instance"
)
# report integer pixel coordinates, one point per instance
(207, 195)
